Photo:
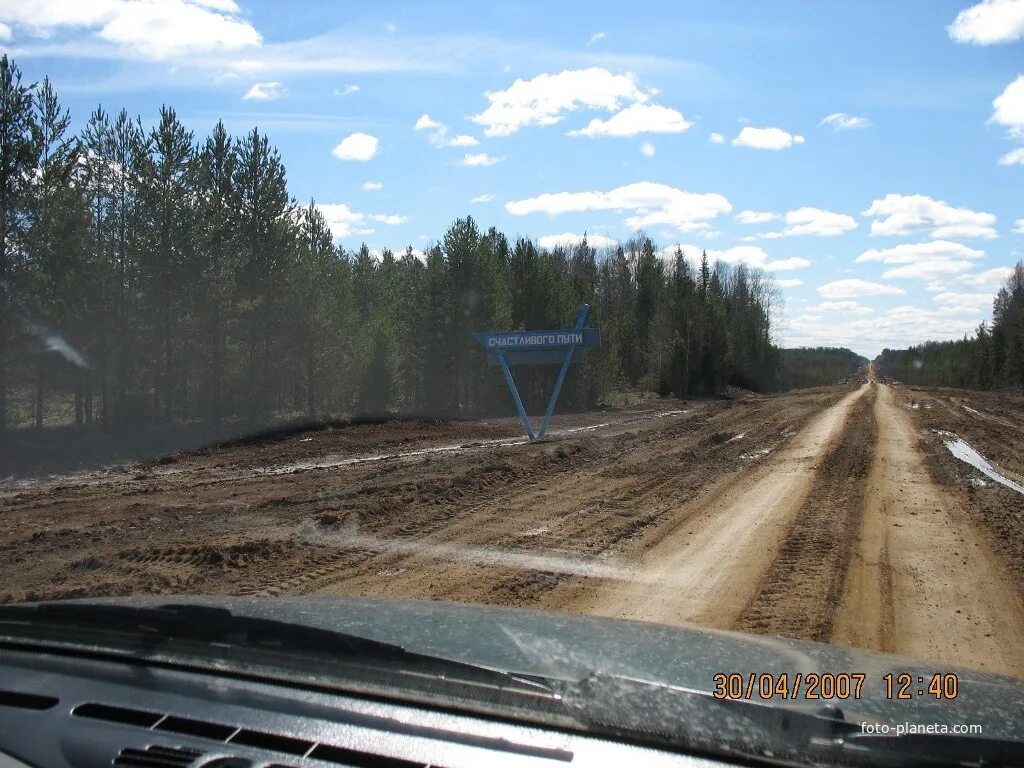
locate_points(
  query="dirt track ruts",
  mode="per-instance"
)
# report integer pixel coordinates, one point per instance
(710, 566)
(923, 581)
(821, 514)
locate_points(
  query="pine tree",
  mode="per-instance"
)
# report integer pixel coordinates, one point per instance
(216, 247)
(167, 277)
(264, 227)
(54, 224)
(128, 165)
(19, 150)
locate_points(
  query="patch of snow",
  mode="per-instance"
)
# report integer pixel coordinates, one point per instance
(963, 451)
(756, 454)
(734, 438)
(970, 410)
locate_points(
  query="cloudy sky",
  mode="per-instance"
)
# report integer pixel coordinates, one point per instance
(869, 154)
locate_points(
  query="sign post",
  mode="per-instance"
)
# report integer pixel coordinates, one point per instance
(539, 348)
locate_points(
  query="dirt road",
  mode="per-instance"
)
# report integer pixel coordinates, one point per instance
(709, 567)
(923, 581)
(833, 514)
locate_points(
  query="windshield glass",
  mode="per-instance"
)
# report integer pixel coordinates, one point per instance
(706, 315)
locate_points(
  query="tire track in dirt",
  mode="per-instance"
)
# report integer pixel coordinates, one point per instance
(591, 498)
(923, 581)
(801, 591)
(570, 523)
(708, 568)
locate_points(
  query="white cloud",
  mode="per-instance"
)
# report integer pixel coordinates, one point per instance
(596, 37)
(344, 222)
(903, 214)
(854, 289)
(372, 186)
(1018, 226)
(484, 198)
(635, 119)
(462, 140)
(789, 283)
(929, 268)
(345, 90)
(546, 98)
(1009, 107)
(1009, 111)
(840, 121)
(150, 30)
(990, 21)
(716, 138)
(569, 239)
(895, 328)
(426, 123)
(1013, 157)
(971, 299)
(480, 159)
(911, 253)
(393, 219)
(265, 92)
(647, 149)
(783, 265)
(5, 33)
(814, 221)
(357, 146)
(756, 217)
(766, 138)
(851, 307)
(649, 203)
(924, 260)
(751, 255)
(990, 278)
(439, 137)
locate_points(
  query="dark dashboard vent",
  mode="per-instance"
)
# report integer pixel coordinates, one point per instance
(26, 700)
(356, 759)
(165, 757)
(157, 757)
(204, 729)
(121, 715)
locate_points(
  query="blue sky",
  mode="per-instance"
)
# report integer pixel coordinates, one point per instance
(870, 155)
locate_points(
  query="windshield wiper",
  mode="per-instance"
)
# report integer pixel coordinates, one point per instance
(149, 627)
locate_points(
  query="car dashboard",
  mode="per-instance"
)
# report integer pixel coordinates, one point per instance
(61, 710)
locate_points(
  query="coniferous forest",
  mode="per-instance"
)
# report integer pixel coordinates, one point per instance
(992, 359)
(149, 275)
(818, 366)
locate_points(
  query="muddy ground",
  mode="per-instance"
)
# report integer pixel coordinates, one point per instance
(815, 514)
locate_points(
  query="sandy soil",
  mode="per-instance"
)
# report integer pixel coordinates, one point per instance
(832, 514)
(710, 566)
(923, 581)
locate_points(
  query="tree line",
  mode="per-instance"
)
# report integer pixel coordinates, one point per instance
(991, 359)
(147, 276)
(818, 366)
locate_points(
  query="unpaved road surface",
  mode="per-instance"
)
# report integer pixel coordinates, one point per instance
(832, 514)
(923, 582)
(710, 566)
